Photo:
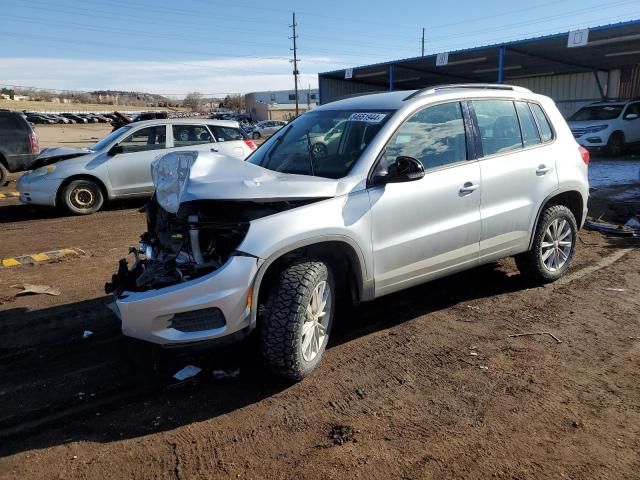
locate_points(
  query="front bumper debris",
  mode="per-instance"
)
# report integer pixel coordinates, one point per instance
(153, 315)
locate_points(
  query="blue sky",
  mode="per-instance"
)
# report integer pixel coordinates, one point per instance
(218, 47)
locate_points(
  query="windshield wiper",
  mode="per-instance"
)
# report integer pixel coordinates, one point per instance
(277, 141)
(310, 155)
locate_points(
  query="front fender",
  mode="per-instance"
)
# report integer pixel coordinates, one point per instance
(343, 219)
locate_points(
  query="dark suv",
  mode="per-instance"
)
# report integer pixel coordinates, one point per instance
(18, 143)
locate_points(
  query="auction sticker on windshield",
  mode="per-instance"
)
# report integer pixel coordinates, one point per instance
(367, 117)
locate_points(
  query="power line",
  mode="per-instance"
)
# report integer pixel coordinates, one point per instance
(342, 52)
(539, 20)
(544, 32)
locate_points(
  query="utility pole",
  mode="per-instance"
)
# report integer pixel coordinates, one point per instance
(423, 41)
(295, 59)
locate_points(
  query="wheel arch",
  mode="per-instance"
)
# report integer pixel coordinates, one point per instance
(617, 132)
(570, 198)
(81, 176)
(343, 256)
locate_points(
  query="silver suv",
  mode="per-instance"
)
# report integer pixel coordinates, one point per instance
(353, 200)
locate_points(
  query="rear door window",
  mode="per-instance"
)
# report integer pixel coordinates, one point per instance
(226, 134)
(543, 123)
(186, 135)
(499, 127)
(530, 134)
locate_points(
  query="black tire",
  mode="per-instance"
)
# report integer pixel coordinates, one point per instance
(4, 175)
(281, 335)
(532, 264)
(255, 135)
(616, 145)
(82, 197)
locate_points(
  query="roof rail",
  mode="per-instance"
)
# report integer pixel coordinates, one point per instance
(486, 86)
(358, 94)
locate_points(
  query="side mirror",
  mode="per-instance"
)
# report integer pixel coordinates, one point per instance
(631, 116)
(404, 169)
(115, 150)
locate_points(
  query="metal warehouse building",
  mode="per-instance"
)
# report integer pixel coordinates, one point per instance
(574, 68)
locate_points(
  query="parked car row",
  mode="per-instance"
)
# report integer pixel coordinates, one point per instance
(67, 118)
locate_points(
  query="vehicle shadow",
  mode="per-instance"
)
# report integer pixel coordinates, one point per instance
(22, 213)
(106, 387)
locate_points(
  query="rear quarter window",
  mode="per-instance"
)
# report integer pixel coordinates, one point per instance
(546, 133)
(226, 134)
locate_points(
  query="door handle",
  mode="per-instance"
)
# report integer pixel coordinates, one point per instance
(542, 169)
(468, 188)
(214, 150)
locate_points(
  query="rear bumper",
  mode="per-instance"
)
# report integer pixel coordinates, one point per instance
(149, 315)
(19, 163)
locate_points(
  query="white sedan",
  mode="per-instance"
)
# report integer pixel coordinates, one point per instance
(119, 166)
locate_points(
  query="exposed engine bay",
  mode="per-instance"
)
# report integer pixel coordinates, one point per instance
(195, 241)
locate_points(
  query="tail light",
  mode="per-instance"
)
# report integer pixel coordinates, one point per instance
(250, 144)
(33, 143)
(585, 155)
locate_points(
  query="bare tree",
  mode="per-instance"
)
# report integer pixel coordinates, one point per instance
(234, 102)
(193, 101)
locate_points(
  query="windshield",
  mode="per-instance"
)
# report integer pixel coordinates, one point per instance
(324, 143)
(597, 112)
(109, 138)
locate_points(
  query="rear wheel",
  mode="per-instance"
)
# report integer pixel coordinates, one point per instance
(553, 247)
(298, 318)
(82, 197)
(615, 145)
(4, 175)
(255, 135)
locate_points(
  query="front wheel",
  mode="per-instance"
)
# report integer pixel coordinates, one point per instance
(82, 197)
(554, 246)
(615, 145)
(298, 318)
(255, 135)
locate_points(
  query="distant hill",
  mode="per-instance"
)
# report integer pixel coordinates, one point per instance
(132, 98)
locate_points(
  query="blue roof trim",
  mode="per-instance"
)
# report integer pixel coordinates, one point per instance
(490, 45)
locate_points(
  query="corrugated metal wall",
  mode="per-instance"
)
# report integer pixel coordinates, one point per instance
(331, 89)
(573, 91)
(570, 92)
(630, 82)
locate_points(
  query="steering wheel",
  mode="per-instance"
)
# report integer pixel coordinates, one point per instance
(320, 150)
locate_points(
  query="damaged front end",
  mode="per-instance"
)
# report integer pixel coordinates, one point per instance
(201, 213)
(193, 242)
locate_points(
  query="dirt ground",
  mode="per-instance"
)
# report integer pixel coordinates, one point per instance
(426, 383)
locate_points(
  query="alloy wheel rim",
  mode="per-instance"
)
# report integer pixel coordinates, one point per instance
(316, 318)
(82, 197)
(556, 245)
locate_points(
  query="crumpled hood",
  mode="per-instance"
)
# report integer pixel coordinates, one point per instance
(55, 154)
(219, 177)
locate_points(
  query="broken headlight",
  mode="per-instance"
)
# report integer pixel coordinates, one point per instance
(170, 173)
